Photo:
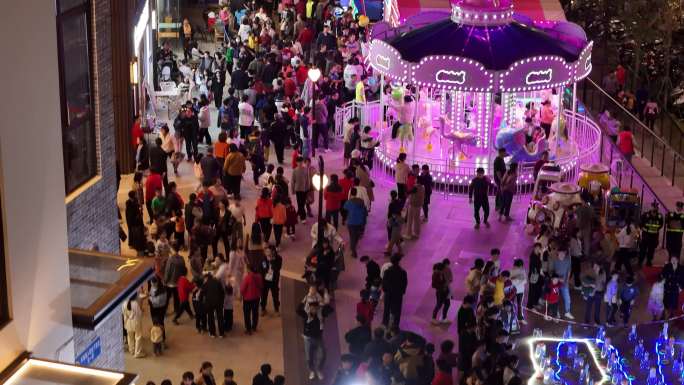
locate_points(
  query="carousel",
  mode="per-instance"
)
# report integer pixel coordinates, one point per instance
(457, 88)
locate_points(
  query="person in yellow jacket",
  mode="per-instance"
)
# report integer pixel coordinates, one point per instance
(361, 90)
(233, 167)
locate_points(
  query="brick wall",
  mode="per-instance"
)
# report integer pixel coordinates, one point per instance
(110, 332)
(92, 219)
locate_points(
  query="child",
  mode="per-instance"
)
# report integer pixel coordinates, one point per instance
(365, 308)
(179, 230)
(238, 225)
(495, 257)
(374, 292)
(291, 219)
(628, 294)
(162, 247)
(156, 334)
(158, 203)
(655, 299)
(509, 319)
(552, 298)
(519, 280)
(228, 306)
(278, 220)
(228, 377)
(611, 298)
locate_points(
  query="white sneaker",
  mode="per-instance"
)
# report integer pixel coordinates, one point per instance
(312, 375)
(319, 374)
(568, 316)
(445, 321)
(434, 321)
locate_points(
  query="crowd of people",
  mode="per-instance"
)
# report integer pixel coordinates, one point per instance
(258, 80)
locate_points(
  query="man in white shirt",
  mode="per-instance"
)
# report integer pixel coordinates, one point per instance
(245, 117)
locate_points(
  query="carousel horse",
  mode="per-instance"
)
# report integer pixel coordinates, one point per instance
(513, 141)
(458, 138)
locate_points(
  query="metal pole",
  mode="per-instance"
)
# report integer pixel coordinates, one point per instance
(382, 107)
(574, 107)
(321, 172)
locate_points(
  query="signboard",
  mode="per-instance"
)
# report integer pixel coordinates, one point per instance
(90, 354)
(453, 73)
(536, 73)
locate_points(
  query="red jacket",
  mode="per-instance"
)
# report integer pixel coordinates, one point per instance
(333, 199)
(346, 184)
(365, 309)
(185, 287)
(301, 74)
(264, 209)
(442, 378)
(152, 184)
(553, 294)
(251, 287)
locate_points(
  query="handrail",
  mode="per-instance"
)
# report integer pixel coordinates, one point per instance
(636, 119)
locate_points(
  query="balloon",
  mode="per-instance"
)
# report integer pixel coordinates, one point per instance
(398, 94)
(363, 21)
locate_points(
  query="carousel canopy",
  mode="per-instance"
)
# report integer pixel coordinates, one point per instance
(496, 48)
(483, 47)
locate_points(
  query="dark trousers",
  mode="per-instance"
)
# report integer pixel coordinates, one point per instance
(148, 206)
(227, 320)
(401, 191)
(301, 204)
(270, 286)
(576, 269)
(265, 224)
(623, 258)
(649, 242)
(258, 168)
(506, 201)
(355, 232)
(226, 243)
(278, 233)
(626, 310)
(443, 303)
(322, 131)
(234, 182)
(547, 129)
(250, 310)
(426, 205)
(279, 147)
(535, 292)
(203, 134)
(183, 307)
(191, 146)
(611, 309)
(214, 316)
(180, 239)
(333, 216)
(393, 304)
(593, 303)
(173, 292)
(244, 131)
(673, 242)
(484, 205)
(200, 317)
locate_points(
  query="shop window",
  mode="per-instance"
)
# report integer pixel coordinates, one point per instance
(78, 120)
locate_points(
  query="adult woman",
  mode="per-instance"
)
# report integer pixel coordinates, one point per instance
(535, 277)
(508, 186)
(254, 248)
(625, 143)
(142, 155)
(279, 219)
(168, 146)
(132, 315)
(401, 171)
(441, 286)
(264, 213)
(158, 299)
(627, 240)
(223, 228)
(333, 196)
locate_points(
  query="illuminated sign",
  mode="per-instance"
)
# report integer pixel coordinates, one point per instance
(451, 77)
(539, 77)
(383, 62)
(140, 26)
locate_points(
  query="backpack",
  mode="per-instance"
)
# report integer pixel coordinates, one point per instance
(437, 280)
(628, 294)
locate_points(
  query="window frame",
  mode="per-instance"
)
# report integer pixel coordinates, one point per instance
(5, 308)
(81, 10)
